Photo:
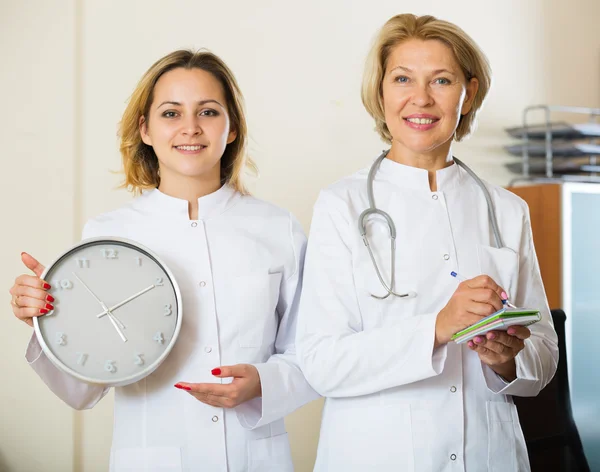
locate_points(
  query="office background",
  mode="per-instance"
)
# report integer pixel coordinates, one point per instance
(67, 68)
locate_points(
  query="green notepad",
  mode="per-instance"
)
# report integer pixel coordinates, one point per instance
(501, 320)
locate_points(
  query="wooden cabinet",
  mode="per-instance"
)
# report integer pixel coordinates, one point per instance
(544, 202)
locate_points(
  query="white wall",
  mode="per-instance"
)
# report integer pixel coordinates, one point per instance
(68, 68)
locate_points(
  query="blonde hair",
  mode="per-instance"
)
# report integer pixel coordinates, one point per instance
(399, 28)
(140, 164)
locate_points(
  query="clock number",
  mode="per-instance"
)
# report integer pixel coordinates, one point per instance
(110, 253)
(158, 337)
(109, 366)
(64, 284)
(138, 261)
(159, 281)
(168, 309)
(81, 358)
(61, 339)
(138, 359)
(83, 263)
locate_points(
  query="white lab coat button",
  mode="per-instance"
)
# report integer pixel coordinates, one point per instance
(208, 349)
(194, 224)
(446, 257)
(453, 389)
(202, 284)
(453, 457)
(434, 196)
(215, 419)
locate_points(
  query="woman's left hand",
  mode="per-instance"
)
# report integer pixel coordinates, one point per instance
(245, 386)
(498, 349)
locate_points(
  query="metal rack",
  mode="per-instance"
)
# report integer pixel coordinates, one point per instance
(558, 140)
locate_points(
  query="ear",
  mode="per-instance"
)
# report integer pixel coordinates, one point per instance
(143, 127)
(232, 136)
(472, 88)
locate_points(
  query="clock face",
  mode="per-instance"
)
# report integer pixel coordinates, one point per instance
(117, 312)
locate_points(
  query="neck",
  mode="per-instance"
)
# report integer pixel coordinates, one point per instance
(189, 188)
(433, 161)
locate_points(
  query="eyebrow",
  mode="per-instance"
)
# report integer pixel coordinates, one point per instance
(201, 102)
(435, 72)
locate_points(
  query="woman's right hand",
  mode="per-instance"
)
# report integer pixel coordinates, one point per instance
(473, 300)
(29, 296)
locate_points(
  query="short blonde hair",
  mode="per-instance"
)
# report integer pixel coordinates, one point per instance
(399, 28)
(140, 164)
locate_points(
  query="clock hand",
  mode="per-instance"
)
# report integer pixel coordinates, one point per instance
(127, 300)
(111, 317)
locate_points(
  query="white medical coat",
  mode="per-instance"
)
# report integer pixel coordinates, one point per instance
(239, 268)
(393, 402)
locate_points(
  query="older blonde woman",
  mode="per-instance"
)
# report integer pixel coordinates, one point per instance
(238, 261)
(375, 322)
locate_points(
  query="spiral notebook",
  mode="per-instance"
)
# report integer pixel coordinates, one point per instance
(501, 320)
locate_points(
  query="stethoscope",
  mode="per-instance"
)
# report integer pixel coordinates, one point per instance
(373, 210)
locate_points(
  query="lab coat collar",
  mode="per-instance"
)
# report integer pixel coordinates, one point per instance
(418, 179)
(209, 206)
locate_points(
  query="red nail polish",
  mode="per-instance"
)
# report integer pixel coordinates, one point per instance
(216, 371)
(49, 298)
(43, 311)
(46, 285)
(186, 388)
(49, 307)
(178, 386)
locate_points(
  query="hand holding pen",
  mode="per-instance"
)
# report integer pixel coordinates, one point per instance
(504, 295)
(473, 300)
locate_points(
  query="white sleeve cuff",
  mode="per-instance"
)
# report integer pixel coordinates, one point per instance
(34, 350)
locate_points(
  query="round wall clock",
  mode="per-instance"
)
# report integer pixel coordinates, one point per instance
(117, 312)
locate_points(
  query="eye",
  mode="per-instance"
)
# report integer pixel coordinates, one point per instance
(209, 112)
(402, 79)
(169, 114)
(442, 81)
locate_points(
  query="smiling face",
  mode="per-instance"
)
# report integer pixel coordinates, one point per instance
(188, 125)
(424, 94)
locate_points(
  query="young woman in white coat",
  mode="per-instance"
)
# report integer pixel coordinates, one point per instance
(238, 261)
(400, 395)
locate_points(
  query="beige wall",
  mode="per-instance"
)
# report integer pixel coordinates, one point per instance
(69, 66)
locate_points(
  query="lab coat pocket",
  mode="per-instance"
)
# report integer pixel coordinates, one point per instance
(380, 437)
(502, 454)
(255, 305)
(502, 265)
(155, 459)
(270, 454)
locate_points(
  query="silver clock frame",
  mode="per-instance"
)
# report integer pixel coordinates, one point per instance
(152, 367)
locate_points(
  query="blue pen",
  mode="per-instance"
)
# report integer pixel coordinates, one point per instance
(462, 279)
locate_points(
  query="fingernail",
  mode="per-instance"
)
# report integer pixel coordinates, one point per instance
(49, 307)
(49, 298)
(43, 311)
(511, 331)
(182, 387)
(216, 371)
(470, 343)
(477, 339)
(491, 336)
(23, 253)
(504, 296)
(46, 285)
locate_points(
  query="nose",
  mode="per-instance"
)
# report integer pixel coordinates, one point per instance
(191, 126)
(422, 96)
